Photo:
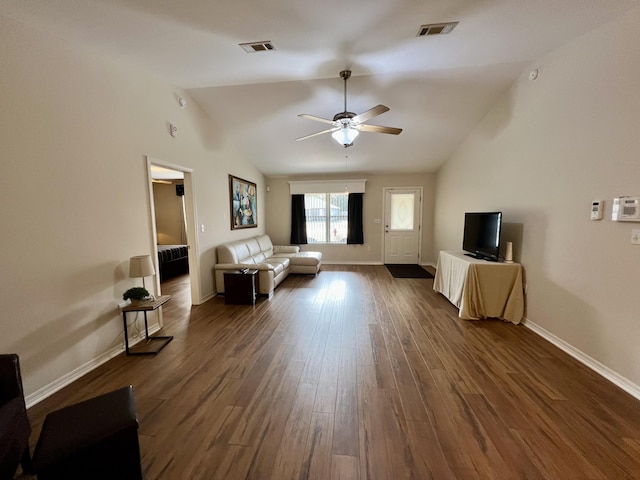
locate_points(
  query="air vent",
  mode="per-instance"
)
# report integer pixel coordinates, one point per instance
(436, 29)
(253, 47)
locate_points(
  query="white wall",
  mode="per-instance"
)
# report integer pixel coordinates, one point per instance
(75, 129)
(279, 214)
(168, 210)
(547, 150)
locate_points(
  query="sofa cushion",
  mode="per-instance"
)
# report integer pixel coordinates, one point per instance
(253, 246)
(259, 258)
(285, 250)
(241, 250)
(266, 246)
(277, 268)
(279, 264)
(232, 252)
(306, 262)
(306, 258)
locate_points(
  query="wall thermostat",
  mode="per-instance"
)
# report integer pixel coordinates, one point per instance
(626, 209)
(597, 207)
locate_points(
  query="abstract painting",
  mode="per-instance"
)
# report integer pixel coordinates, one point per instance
(244, 203)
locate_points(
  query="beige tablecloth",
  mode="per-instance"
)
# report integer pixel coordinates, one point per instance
(480, 289)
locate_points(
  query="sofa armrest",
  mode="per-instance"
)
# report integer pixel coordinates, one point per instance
(238, 266)
(285, 249)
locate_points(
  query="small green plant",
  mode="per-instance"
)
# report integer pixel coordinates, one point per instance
(135, 293)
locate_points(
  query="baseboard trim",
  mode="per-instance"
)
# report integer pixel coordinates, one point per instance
(367, 262)
(615, 378)
(351, 262)
(58, 384)
(206, 298)
(48, 390)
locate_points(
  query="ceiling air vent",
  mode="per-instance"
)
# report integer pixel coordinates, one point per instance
(436, 29)
(253, 47)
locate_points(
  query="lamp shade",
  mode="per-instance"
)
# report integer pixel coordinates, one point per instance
(141, 266)
(345, 136)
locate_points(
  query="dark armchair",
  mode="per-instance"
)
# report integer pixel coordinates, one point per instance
(14, 423)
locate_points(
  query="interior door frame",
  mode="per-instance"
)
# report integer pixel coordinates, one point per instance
(190, 220)
(385, 190)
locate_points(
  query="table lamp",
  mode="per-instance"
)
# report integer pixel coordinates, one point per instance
(141, 266)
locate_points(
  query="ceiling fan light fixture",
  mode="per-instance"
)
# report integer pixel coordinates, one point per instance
(345, 136)
(347, 125)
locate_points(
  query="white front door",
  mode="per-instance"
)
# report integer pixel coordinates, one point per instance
(402, 214)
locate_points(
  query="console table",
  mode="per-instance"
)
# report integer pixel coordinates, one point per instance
(153, 344)
(479, 288)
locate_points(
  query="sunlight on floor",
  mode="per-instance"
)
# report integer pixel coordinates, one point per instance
(335, 291)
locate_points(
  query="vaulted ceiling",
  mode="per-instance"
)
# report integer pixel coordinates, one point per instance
(438, 87)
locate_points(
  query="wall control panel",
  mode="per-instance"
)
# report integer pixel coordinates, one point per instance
(626, 209)
(597, 206)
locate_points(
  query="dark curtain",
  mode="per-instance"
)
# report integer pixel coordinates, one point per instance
(355, 234)
(298, 221)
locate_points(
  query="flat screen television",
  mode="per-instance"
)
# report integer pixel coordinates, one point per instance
(482, 235)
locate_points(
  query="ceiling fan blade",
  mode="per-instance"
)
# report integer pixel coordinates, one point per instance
(318, 119)
(372, 112)
(317, 133)
(378, 129)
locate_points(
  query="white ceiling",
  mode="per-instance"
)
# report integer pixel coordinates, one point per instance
(162, 173)
(438, 88)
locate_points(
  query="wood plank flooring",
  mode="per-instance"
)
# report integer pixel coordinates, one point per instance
(353, 374)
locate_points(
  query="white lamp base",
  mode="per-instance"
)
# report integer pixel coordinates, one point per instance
(508, 254)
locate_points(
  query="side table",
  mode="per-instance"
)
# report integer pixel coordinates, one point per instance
(241, 287)
(153, 344)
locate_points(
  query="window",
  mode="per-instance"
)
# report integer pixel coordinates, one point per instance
(331, 218)
(327, 217)
(402, 211)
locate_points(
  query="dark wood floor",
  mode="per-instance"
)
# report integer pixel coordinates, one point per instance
(356, 375)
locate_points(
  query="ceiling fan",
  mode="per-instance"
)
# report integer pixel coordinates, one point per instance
(347, 125)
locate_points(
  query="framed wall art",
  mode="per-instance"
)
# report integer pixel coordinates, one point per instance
(244, 203)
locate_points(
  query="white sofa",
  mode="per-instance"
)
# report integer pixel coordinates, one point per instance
(274, 263)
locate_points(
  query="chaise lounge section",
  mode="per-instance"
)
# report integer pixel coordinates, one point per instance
(274, 263)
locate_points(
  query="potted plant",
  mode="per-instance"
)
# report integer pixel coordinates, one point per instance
(136, 295)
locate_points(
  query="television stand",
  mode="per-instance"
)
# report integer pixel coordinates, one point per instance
(480, 289)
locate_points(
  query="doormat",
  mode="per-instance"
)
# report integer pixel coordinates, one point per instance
(407, 271)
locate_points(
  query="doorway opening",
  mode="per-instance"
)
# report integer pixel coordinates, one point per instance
(172, 213)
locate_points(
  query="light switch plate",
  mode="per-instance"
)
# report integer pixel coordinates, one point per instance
(635, 236)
